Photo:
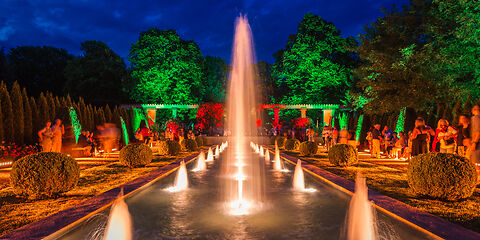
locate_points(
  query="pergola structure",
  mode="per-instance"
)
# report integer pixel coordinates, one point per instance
(328, 109)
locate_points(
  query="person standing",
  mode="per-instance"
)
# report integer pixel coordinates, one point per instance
(463, 138)
(45, 135)
(446, 136)
(475, 146)
(376, 139)
(58, 131)
(421, 137)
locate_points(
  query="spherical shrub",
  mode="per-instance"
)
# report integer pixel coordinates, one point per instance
(308, 148)
(280, 141)
(442, 175)
(342, 155)
(292, 144)
(200, 141)
(189, 145)
(135, 155)
(162, 147)
(44, 174)
(174, 147)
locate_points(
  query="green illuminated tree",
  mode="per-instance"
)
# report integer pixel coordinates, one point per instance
(315, 66)
(165, 68)
(27, 115)
(7, 114)
(17, 104)
(214, 78)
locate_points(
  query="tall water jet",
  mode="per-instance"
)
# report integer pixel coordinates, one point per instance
(361, 218)
(201, 164)
(217, 151)
(267, 155)
(209, 155)
(181, 180)
(119, 226)
(242, 188)
(298, 179)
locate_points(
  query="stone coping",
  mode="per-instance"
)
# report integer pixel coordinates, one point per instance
(434, 226)
(71, 216)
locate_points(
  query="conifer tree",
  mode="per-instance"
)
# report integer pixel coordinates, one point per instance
(467, 106)
(51, 106)
(43, 113)
(18, 118)
(27, 116)
(36, 123)
(108, 114)
(1, 125)
(7, 113)
(69, 101)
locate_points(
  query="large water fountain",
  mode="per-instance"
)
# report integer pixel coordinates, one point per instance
(238, 196)
(242, 187)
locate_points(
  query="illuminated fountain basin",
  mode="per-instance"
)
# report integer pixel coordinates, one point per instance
(199, 213)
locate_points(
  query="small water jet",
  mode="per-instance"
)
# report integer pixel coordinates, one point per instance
(217, 151)
(201, 164)
(261, 151)
(119, 226)
(277, 162)
(360, 217)
(267, 155)
(181, 180)
(209, 155)
(299, 179)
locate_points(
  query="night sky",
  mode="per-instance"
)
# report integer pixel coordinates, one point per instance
(67, 23)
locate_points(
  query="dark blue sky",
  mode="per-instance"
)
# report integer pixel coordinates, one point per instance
(67, 23)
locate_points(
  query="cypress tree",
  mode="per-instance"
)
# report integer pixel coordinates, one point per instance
(27, 116)
(69, 101)
(83, 116)
(58, 105)
(18, 119)
(116, 117)
(51, 106)
(43, 114)
(36, 123)
(457, 110)
(63, 102)
(7, 113)
(1, 125)
(467, 106)
(108, 114)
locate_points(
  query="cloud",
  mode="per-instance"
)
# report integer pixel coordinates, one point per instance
(5, 32)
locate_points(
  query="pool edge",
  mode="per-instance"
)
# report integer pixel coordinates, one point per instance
(55, 225)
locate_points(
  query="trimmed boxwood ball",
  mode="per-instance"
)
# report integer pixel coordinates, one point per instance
(308, 148)
(174, 147)
(162, 147)
(280, 141)
(442, 175)
(342, 155)
(189, 145)
(292, 144)
(44, 174)
(135, 155)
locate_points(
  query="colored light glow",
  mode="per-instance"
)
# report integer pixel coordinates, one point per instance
(401, 121)
(359, 128)
(124, 130)
(77, 128)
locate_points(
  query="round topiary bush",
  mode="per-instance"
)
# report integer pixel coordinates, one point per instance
(44, 174)
(442, 175)
(189, 145)
(342, 155)
(200, 141)
(308, 148)
(174, 147)
(292, 144)
(280, 141)
(162, 147)
(135, 155)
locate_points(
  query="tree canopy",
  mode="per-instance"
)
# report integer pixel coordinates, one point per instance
(315, 66)
(165, 68)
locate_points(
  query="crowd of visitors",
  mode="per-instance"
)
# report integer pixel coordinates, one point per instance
(445, 138)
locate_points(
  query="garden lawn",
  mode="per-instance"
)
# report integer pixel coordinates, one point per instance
(393, 183)
(16, 212)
